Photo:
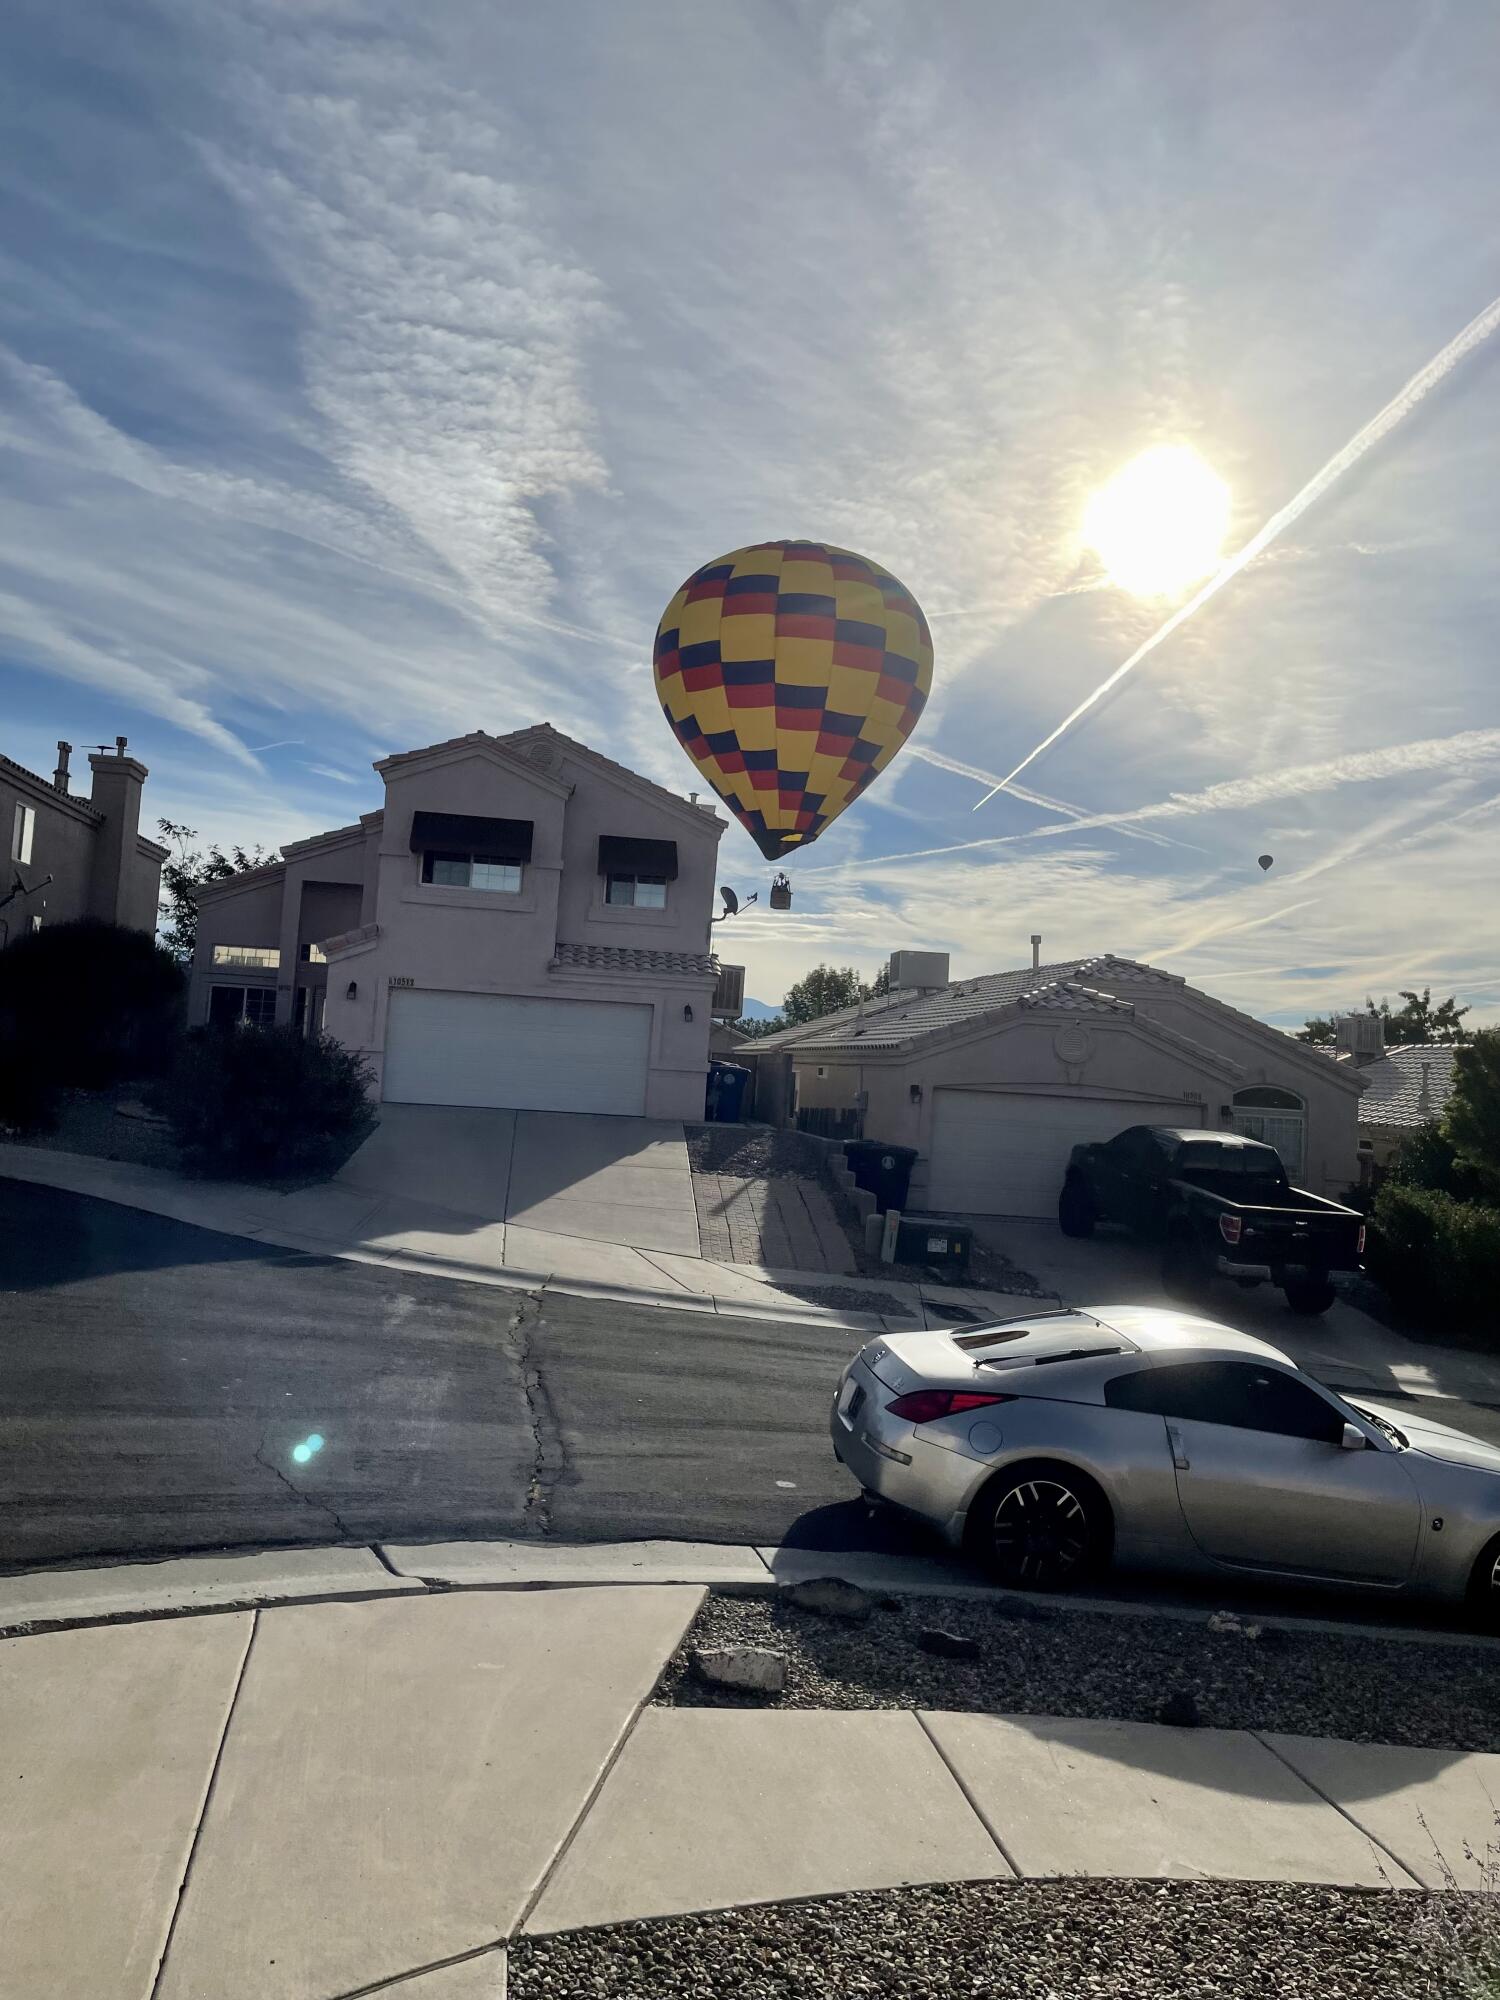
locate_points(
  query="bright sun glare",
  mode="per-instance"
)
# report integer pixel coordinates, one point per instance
(1159, 524)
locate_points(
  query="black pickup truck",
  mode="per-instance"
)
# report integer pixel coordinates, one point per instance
(1219, 1205)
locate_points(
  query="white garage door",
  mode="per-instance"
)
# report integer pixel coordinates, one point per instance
(1004, 1152)
(532, 1055)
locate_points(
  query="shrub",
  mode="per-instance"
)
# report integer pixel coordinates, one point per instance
(89, 1003)
(28, 1101)
(1473, 1120)
(1426, 1159)
(1439, 1258)
(266, 1101)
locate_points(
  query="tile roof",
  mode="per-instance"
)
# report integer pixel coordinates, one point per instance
(909, 1017)
(631, 958)
(65, 799)
(1408, 1087)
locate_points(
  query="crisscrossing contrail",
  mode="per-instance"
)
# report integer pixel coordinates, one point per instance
(1406, 400)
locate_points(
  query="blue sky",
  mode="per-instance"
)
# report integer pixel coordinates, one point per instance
(370, 373)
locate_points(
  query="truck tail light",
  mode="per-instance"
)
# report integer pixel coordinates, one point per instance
(1230, 1227)
(1359, 1245)
(925, 1406)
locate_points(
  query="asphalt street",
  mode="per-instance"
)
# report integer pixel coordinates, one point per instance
(156, 1380)
(164, 1388)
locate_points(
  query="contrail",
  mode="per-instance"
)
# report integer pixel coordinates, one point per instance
(960, 770)
(1401, 405)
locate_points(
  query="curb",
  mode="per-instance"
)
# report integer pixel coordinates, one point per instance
(98, 1598)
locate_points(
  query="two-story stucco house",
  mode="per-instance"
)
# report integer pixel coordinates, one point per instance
(67, 857)
(522, 923)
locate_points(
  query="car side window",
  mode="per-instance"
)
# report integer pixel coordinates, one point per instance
(1235, 1393)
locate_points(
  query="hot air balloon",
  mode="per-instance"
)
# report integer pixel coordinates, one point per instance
(1265, 860)
(791, 674)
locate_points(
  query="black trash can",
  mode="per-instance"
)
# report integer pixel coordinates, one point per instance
(885, 1171)
(726, 1092)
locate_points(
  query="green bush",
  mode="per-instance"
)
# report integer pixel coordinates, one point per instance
(266, 1101)
(29, 1103)
(1426, 1159)
(1439, 1258)
(89, 1003)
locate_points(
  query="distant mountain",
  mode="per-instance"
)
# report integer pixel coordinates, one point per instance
(758, 1010)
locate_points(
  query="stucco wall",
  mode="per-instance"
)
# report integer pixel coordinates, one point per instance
(250, 914)
(62, 846)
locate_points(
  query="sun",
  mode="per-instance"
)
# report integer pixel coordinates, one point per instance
(1159, 525)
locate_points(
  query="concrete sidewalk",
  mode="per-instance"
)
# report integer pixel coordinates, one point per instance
(314, 1800)
(340, 1218)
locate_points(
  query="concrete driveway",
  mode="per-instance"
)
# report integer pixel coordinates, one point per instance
(1344, 1346)
(609, 1180)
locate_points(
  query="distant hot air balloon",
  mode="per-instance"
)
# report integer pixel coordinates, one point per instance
(1265, 860)
(791, 674)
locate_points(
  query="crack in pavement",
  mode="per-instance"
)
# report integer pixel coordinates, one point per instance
(307, 1499)
(549, 1459)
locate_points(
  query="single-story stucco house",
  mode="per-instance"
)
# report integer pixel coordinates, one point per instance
(994, 1080)
(522, 922)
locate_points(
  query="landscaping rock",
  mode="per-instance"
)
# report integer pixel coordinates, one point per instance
(1180, 1710)
(1231, 1626)
(948, 1645)
(749, 1669)
(829, 1597)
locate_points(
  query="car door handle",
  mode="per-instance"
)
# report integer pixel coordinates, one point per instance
(1180, 1458)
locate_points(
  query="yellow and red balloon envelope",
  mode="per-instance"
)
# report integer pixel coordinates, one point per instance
(791, 674)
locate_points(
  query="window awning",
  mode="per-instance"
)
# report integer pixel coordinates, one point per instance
(470, 833)
(621, 854)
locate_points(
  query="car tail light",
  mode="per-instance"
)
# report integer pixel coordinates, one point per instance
(925, 1406)
(1230, 1227)
(1359, 1245)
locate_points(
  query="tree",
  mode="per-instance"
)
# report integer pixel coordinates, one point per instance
(185, 873)
(88, 1004)
(1472, 1120)
(752, 1029)
(826, 989)
(1416, 1021)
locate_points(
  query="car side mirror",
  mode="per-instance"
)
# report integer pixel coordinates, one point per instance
(1354, 1439)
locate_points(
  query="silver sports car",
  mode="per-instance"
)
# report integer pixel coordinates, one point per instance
(1058, 1442)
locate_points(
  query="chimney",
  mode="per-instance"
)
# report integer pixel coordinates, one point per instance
(1036, 950)
(60, 775)
(120, 890)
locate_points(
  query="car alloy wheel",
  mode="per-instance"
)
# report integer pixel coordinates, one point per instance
(1040, 1534)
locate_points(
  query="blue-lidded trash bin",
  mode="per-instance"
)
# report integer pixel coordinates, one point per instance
(726, 1092)
(884, 1171)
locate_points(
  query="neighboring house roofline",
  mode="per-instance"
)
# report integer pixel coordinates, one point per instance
(339, 836)
(49, 794)
(1394, 1083)
(628, 780)
(1081, 985)
(247, 878)
(151, 849)
(496, 748)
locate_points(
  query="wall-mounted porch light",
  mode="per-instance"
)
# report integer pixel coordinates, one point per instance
(687, 1013)
(351, 991)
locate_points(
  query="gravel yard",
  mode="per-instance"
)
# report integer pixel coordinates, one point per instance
(1062, 1940)
(1365, 1688)
(89, 1122)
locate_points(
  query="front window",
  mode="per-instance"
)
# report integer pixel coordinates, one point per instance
(639, 892)
(471, 871)
(1250, 1174)
(21, 832)
(249, 957)
(241, 1006)
(1277, 1118)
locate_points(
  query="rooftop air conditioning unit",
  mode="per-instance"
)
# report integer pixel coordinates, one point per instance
(1360, 1035)
(924, 970)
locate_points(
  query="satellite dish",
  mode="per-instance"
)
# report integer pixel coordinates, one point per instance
(731, 902)
(1265, 860)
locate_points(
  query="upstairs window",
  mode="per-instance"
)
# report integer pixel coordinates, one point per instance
(451, 870)
(249, 957)
(638, 892)
(21, 832)
(313, 954)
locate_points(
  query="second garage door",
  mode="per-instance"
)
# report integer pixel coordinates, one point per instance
(997, 1152)
(529, 1055)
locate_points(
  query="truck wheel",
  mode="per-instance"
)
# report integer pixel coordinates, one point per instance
(1185, 1271)
(1075, 1212)
(1309, 1296)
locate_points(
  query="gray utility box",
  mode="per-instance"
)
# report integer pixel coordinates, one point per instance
(931, 1239)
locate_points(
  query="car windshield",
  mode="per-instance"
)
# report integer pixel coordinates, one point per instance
(1240, 1173)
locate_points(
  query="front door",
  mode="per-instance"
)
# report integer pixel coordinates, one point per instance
(1264, 1481)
